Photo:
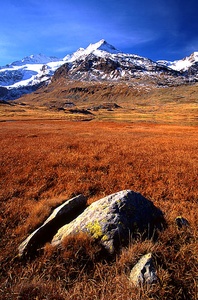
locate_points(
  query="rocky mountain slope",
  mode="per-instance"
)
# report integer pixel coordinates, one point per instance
(99, 62)
(103, 62)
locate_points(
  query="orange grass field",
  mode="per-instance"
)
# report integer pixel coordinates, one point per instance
(43, 163)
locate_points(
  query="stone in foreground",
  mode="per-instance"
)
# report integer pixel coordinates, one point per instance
(114, 220)
(62, 215)
(181, 222)
(144, 272)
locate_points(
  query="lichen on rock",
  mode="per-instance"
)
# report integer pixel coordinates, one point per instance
(95, 229)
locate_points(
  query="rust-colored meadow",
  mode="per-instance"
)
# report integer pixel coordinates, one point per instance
(45, 162)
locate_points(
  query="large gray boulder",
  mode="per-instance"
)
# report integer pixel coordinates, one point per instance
(113, 220)
(144, 271)
(62, 215)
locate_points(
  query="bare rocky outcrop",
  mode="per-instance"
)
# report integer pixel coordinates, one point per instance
(115, 219)
(110, 67)
(62, 215)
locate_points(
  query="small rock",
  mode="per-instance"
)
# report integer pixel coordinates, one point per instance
(181, 222)
(144, 272)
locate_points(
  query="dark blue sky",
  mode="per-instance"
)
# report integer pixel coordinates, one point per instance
(157, 29)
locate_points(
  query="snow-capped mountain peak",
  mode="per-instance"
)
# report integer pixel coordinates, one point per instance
(193, 57)
(103, 46)
(35, 59)
(181, 65)
(29, 72)
(100, 48)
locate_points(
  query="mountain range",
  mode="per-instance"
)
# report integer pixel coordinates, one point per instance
(99, 62)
